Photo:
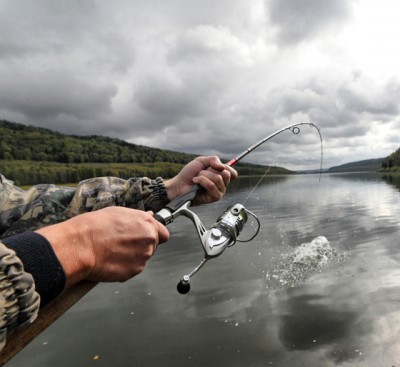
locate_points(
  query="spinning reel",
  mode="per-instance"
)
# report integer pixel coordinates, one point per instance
(222, 234)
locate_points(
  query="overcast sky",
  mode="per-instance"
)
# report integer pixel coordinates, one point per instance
(209, 76)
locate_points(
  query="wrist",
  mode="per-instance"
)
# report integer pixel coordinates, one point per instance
(170, 188)
(68, 243)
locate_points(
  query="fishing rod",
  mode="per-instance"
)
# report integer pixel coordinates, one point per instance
(222, 234)
(225, 231)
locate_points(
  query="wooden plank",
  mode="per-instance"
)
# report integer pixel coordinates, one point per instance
(19, 339)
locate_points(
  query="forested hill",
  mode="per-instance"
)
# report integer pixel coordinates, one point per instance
(365, 165)
(392, 162)
(21, 142)
(31, 155)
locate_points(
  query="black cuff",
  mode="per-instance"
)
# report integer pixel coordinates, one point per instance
(39, 259)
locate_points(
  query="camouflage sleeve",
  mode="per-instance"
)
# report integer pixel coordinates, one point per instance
(138, 193)
(41, 205)
(19, 302)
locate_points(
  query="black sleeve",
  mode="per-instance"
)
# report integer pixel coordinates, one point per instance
(39, 259)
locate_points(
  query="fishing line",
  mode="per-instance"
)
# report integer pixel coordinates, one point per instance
(276, 162)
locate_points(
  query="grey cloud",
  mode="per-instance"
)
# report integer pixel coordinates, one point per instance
(59, 63)
(344, 127)
(41, 26)
(74, 30)
(341, 101)
(183, 75)
(369, 98)
(192, 89)
(45, 96)
(171, 99)
(207, 43)
(298, 21)
(393, 136)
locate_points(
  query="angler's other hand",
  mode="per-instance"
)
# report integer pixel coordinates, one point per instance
(111, 244)
(208, 172)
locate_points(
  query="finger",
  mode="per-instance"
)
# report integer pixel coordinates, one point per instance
(211, 194)
(211, 181)
(227, 177)
(233, 173)
(211, 161)
(220, 178)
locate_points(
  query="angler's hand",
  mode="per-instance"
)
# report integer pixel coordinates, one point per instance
(208, 172)
(111, 244)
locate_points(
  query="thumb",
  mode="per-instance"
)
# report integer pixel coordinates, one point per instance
(163, 233)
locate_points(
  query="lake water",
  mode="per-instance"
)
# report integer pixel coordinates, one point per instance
(279, 300)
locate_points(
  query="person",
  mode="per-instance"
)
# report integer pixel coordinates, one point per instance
(53, 237)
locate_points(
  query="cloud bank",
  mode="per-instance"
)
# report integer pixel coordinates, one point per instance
(208, 78)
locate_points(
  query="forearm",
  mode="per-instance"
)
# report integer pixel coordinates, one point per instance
(108, 245)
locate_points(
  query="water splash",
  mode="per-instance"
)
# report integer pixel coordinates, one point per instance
(305, 260)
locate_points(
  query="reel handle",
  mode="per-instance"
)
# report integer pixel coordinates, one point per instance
(166, 215)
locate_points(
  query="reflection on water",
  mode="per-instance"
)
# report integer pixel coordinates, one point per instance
(343, 313)
(392, 179)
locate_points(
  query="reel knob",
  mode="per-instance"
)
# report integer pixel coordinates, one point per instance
(183, 286)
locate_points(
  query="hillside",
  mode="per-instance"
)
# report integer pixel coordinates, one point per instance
(44, 156)
(39, 144)
(392, 162)
(365, 166)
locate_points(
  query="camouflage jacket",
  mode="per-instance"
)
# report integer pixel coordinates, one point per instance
(41, 205)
